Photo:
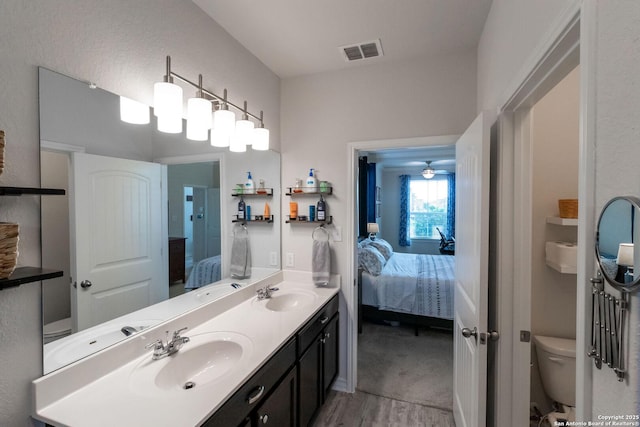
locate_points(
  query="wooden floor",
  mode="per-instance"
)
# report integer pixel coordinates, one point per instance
(368, 410)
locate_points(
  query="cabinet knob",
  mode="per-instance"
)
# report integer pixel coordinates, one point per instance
(327, 335)
(264, 418)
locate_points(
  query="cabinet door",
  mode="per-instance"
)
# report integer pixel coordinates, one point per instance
(310, 382)
(330, 355)
(279, 409)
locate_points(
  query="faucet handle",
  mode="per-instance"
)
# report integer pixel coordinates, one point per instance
(156, 345)
(176, 334)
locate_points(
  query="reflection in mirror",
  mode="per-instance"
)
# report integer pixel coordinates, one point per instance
(123, 254)
(615, 237)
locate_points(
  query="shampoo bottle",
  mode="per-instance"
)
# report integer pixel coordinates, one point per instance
(267, 212)
(241, 209)
(249, 186)
(321, 210)
(311, 185)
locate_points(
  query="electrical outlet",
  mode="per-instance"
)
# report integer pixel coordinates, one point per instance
(273, 258)
(290, 262)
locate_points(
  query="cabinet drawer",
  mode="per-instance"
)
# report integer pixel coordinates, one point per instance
(237, 408)
(315, 325)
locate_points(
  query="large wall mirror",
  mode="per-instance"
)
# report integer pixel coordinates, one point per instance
(617, 232)
(152, 236)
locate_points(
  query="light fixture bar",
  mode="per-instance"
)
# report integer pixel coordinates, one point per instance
(205, 91)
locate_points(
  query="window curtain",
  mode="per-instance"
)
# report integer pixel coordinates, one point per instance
(405, 199)
(451, 205)
(371, 192)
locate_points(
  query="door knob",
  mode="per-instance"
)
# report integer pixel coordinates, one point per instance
(468, 333)
(85, 284)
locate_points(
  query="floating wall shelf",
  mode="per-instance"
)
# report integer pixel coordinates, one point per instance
(294, 221)
(291, 192)
(19, 191)
(22, 275)
(562, 221)
(267, 193)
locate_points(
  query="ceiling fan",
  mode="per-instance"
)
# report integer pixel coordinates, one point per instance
(430, 172)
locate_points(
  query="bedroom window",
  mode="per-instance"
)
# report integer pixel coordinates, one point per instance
(428, 207)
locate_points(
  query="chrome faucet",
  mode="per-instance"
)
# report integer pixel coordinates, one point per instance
(265, 293)
(162, 349)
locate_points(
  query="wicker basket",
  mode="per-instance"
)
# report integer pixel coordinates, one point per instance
(1, 151)
(8, 248)
(568, 208)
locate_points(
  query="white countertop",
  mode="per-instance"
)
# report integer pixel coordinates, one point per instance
(98, 390)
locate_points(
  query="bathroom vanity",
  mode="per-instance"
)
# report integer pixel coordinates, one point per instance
(247, 362)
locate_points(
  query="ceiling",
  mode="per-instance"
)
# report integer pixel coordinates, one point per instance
(299, 37)
(413, 159)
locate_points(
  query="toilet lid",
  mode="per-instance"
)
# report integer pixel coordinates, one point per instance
(558, 346)
(59, 327)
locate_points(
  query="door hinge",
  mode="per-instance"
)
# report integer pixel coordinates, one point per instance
(525, 336)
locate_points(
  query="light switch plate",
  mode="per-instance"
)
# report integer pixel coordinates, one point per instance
(290, 261)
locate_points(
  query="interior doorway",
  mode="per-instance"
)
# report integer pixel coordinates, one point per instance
(411, 340)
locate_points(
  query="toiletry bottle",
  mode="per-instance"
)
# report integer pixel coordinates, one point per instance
(261, 189)
(267, 212)
(298, 187)
(241, 209)
(248, 213)
(249, 186)
(293, 211)
(321, 210)
(311, 185)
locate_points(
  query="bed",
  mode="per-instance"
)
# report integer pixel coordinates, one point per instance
(410, 288)
(205, 271)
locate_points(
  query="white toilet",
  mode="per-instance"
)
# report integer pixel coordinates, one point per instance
(56, 330)
(557, 362)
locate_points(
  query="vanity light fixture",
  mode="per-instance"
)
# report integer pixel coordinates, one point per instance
(225, 131)
(198, 115)
(261, 136)
(224, 124)
(244, 131)
(167, 103)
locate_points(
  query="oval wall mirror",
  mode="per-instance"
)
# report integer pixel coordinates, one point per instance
(615, 237)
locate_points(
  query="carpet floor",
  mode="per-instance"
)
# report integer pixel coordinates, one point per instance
(394, 363)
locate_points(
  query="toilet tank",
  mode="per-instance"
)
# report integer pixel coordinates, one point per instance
(557, 362)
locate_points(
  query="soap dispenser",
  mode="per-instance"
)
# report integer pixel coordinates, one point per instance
(311, 185)
(249, 186)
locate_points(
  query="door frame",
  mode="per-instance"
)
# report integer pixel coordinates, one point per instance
(349, 290)
(569, 43)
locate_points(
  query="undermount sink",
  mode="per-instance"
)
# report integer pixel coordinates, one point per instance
(287, 300)
(205, 358)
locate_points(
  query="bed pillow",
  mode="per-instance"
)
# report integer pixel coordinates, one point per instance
(383, 246)
(371, 260)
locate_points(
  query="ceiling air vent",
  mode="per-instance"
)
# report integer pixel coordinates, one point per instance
(362, 50)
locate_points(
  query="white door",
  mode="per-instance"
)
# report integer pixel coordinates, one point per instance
(199, 223)
(116, 237)
(471, 284)
(214, 232)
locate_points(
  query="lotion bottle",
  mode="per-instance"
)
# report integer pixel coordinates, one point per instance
(249, 186)
(311, 185)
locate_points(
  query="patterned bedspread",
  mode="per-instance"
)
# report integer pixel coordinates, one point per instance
(413, 283)
(205, 271)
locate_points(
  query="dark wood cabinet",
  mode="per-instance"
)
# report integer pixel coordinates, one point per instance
(243, 403)
(291, 386)
(280, 408)
(176, 259)
(309, 381)
(317, 361)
